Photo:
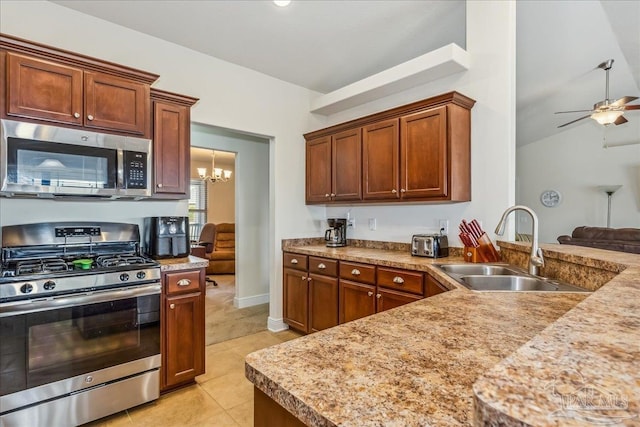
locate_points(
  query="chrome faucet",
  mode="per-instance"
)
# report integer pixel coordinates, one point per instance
(535, 259)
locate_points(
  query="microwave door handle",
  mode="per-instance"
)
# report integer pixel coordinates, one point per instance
(120, 171)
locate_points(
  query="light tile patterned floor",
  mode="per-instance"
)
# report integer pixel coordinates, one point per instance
(221, 397)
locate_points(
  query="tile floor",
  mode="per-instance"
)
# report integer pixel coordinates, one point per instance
(221, 397)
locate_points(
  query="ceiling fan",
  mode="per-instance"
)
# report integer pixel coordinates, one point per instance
(606, 112)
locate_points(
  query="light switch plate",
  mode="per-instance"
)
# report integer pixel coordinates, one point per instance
(373, 224)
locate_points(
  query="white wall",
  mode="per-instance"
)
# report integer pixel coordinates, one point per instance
(491, 82)
(575, 163)
(220, 196)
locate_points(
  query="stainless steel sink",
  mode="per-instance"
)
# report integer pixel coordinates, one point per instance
(503, 277)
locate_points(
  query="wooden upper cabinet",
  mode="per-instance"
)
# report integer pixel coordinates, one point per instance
(44, 90)
(318, 170)
(415, 152)
(116, 104)
(380, 160)
(423, 154)
(171, 144)
(346, 170)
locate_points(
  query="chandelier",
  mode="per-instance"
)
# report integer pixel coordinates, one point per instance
(217, 174)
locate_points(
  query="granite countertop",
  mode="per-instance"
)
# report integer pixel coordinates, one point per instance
(186, 263)
(463, 356)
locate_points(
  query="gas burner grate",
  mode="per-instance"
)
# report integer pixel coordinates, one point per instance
(119, 260)
(41, 266)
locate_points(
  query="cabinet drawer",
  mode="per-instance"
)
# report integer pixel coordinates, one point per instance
(324, 266)
(362, 273)
(295, 261)
(402, 280)
(183, 281)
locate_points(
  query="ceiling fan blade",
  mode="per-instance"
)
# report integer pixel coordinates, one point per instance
(576, 120)
(624, 100)
(620, 120)
(574, 111)
(632, 107)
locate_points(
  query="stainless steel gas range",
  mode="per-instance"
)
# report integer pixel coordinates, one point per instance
(79, 322)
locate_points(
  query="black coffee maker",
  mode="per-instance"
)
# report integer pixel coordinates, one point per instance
(167, 236)
(336, 236)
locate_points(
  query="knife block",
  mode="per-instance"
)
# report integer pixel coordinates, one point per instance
(484, 252)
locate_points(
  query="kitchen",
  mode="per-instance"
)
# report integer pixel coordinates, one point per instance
(226, 102)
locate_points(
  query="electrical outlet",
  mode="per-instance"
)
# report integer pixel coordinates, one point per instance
(443, 226)
(373, 224)
(351, 222)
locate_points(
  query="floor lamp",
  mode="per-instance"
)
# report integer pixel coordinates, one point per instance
(609, 189)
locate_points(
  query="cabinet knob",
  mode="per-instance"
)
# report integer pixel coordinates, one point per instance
(90, 117)
(378, 296)
(76, 115)
(184, 282)
(394, 191)
(304, 277)
(321, 266)
(294, 261)
(308, 279)
(327, 195)
(402, 190)
(172, 306)
(370, 293)
(333, 194)
(355, 272)
(159, 185)
(399, 280)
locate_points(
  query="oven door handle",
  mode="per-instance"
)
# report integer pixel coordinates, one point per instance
(64, 301)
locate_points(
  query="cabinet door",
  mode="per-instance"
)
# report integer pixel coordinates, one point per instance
(346, 175)
(43, 90)
(388, 299)
(323, 302)
(433, 287)
(318, 170)
(380, 160)
(116, 104)
(356, 300)
(184, 345)
(423, 154)
(171, 146)
(296, 299)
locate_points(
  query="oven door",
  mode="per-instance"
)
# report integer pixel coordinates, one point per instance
(47, 347)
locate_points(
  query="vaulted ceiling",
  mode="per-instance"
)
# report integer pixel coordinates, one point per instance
(325, 45)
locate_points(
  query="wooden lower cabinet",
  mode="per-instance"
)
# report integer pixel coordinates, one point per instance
(296, 297)
(387, 299)
(323, 302)
(183, 327)
(356, 300)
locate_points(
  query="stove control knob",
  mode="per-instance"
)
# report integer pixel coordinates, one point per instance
(26, 288)
(49, 285)
(141, 274)
(124, 277)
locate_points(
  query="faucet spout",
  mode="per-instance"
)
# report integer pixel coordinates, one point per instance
(536, 260)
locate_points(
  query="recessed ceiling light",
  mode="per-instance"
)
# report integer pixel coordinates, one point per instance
(282, 3)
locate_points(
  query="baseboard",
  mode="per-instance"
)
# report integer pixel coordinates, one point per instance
(250, 301)
(276, 325)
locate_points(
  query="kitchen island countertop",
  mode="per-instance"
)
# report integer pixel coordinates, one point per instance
(417, 364)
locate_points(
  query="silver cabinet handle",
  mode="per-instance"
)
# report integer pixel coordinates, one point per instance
(399, 280)
(321, 266)
(394, 191)
(355, 272)
(159, 185)
(333, 194)
(90, 117)
(308, 279)
(370, 293)
(327, 195)
(378, 296)
(304, 277)
(76, 115)
(184, 282)
(294, 261)
(402, 190)
(172, 306)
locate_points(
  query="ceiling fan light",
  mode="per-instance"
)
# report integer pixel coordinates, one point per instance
(282, 3)
(606, 117)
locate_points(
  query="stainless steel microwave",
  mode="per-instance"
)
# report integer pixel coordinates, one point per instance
(49, 161)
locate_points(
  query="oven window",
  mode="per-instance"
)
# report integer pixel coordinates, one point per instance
(63, 343)
(60, 165)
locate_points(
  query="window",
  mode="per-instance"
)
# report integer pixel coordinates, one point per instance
(197, 207)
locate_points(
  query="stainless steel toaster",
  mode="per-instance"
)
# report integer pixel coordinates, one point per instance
(430, 245)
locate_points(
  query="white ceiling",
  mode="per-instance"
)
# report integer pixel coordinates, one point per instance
(325, 45)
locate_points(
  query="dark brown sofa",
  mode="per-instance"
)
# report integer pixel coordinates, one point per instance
(219, 241)
(613, 239)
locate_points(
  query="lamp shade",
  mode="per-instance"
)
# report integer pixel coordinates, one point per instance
(606, 117)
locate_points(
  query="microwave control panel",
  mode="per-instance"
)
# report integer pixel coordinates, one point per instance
(135, 169)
